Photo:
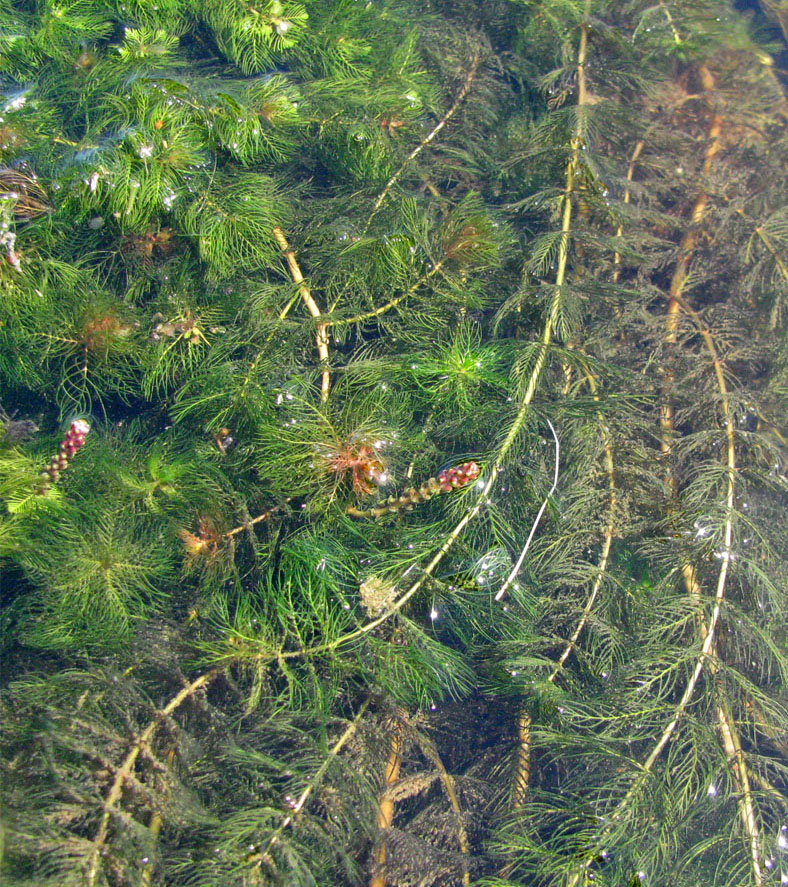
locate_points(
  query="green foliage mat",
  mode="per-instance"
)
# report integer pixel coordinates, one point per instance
(393, 443)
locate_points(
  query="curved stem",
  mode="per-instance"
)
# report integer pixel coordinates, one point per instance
(525, 405)
(518, 564)
(708, 651)
(392, 303)
(522, 769)
(429, 137)
(705, 656)
(522, 772)
(686, 249)
(730, 737)
(677, 304)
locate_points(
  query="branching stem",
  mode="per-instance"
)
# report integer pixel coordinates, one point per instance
(392, 303)
(126, 769)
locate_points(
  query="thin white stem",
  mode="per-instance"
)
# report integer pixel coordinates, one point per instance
(516, 568)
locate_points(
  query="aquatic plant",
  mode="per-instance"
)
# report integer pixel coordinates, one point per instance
(430, 527)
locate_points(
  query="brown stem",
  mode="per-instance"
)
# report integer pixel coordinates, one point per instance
(256, 520)
(522, 774)
(306, 294)
(676, 304)
(522, 770)
(627, 197)
(686, 249)
(386, 805)
(726, 723)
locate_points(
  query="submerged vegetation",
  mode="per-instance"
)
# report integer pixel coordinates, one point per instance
(394, 454)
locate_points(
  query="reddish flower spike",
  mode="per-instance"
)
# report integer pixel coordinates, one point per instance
(72, 441)
(454, 478)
